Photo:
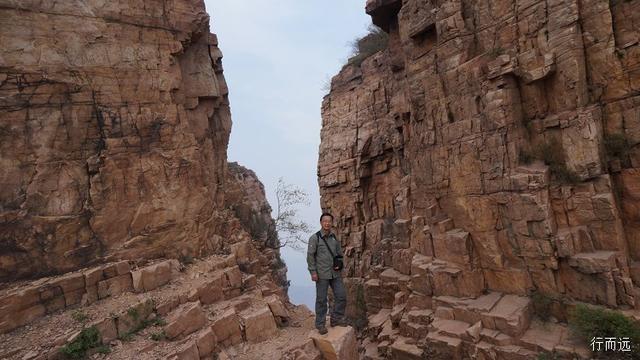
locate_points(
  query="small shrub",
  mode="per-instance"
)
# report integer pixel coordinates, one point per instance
(141, 325)
(617, 145)
(552, 154)
(564, 175)
(186, 259)
(277, 263)
(89, 338)
(376, 40)
(79, 316)
(133, 312)
(589, 322)
(126, 337)
(547, 356)
(495, 52)
(158, 336)
(525, 157)
(541, 305)
(158, 321)
(103, 349)
(243, 266)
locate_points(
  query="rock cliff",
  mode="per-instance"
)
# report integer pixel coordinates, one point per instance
(114, 123)
(490, 149)
(116, 194)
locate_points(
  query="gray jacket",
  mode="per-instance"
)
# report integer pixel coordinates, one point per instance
(319, 259)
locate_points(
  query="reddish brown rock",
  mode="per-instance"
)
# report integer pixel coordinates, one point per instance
(226, 328)
(185, 320)
(486, 144)
(188, 351)
(153, 276)
(402, 350)
(278, 309)
(206, 342)
(142, 163)
(511, 315)
(107, 329)
(114, 286)
(339, 344)
(259, 324)
(212, 290)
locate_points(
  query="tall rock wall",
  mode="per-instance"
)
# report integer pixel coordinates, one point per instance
(497, 137)
(114, 124)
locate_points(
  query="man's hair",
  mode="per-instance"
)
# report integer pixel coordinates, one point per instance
(326, 214)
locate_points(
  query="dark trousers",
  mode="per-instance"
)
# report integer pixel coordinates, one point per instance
(339, 298)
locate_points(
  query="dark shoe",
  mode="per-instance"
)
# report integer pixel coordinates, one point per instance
(322, 330)
(338, 323)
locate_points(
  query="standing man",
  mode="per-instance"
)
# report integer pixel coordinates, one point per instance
(323, 248)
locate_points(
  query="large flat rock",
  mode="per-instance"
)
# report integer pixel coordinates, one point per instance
(339, 343)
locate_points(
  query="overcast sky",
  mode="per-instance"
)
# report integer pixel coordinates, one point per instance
(277, 56)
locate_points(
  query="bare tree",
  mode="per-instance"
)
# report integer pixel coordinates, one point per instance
(291, 230)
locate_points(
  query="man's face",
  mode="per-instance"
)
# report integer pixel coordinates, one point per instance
(326, 222)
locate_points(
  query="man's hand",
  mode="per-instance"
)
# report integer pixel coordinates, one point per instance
(314, 277)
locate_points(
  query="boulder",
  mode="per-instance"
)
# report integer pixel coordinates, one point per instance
(339, 343)
(185, 320)
(259, 324)
(226, 328)
(153, 276)
(402, 350)
(206, 341)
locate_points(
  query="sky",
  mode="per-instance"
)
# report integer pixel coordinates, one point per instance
(278, 56)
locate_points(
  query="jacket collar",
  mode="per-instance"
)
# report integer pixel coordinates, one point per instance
(327, 234)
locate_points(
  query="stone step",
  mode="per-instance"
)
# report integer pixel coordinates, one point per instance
(253, 325)
(340, 343)
(543, 337)
(495, 337)
(187, 315)
(387, 332)
(515, 352)
(445, 278)
(422, 317)
(413, 330)
(511, 315)
(20, 306)
(452, 328)
(186, 319)
(246, 318)
(443, 345)
(453, 245)
(467, 310)
(594, 262)
(259, 324)
(405, 349)
(370, 351)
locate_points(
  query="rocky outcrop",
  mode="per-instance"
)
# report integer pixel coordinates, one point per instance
(490, 147)
(245, 196)
(114, 123)
(208, 308)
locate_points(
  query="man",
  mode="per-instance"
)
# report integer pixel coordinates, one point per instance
(323, 272)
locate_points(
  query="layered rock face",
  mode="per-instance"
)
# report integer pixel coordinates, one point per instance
(490, 147)
(245, 196)
(114, 123)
